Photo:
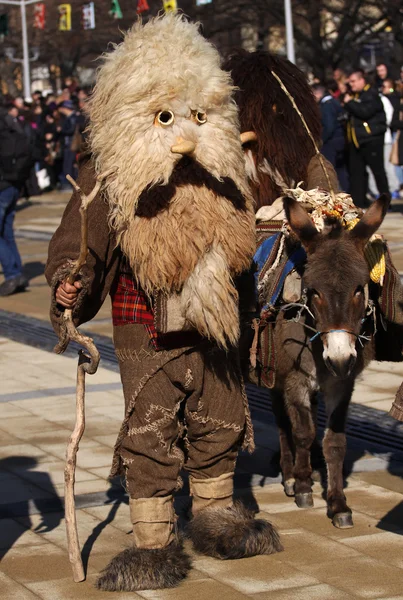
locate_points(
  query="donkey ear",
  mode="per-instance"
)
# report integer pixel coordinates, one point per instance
(301, 223)
(371, 221)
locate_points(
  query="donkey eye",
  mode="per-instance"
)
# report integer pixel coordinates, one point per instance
(359, 291)
(165, 118)
(315, 293)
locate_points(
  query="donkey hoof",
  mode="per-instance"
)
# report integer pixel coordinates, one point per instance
(289, 487)
(304, 500)
(343, 520)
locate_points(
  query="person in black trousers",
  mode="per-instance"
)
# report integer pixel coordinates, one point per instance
(366, 129)
(333, 135)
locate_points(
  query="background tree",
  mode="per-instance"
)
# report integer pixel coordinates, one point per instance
(328, 33)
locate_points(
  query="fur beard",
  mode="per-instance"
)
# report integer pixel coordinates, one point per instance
(194, 247)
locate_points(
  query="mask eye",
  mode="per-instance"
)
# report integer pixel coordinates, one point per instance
(165, 118)
(200, 117)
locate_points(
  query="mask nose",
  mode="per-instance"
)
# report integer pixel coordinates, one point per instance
(183, 147)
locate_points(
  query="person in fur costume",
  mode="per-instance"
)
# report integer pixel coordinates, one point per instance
(171, 227)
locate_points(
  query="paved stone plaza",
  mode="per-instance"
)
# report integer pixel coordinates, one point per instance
(37, 413)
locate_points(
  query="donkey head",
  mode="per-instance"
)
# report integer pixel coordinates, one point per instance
(335, 277)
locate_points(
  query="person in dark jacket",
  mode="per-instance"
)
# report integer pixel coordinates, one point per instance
(15, 166)
(66, 136)
(366, 130)
(397, 126)
(333, 135)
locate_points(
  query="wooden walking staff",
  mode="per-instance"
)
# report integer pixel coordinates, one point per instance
(87, 363)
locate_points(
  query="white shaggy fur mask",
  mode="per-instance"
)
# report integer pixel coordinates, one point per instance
(166, 65)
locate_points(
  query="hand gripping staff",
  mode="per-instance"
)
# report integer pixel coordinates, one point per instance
(87, 363)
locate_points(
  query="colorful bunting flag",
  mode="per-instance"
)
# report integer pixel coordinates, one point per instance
(142, 6)
(65, 17)
(39, 15)
(88, 16)
(170, 5)
(115, 10)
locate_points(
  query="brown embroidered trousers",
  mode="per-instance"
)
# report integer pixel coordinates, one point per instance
(185, 407)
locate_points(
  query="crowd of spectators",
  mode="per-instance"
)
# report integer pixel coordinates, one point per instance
(54, 126)
(39, 143)
(362, 118)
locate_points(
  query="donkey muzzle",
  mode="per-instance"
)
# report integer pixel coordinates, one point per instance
(339, 353)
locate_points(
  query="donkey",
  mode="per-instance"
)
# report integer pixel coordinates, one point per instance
(335, 281)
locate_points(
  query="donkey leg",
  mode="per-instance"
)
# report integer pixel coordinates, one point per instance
(334, 450)
(303, 433)
(286, 444)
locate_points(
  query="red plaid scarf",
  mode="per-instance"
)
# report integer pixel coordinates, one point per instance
(131, 305)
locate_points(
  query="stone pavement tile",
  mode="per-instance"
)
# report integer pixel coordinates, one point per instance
(11, 409)
(55, 474)
(256, 574)
(310, 592)
(95, 456)
(118, 512)
(373, 500)
(271, 499)
(195, 589)
(101, 472)
(102, 376)
(383, 479)
(7, 439)
(386, 547)
(98, 399)
(96, 537)
(19, 452)
(114, 411)
(48, 437)
(363, 577)
(106, 440)
(99, 424)
(28, 423)
(384, 405)
(86, 487)
(314, 546)
(87, 446)
(38, 563)
(16, 489)
(316, 521)
(14, 533)
(11, 590)
(49, 408)
(66, 589)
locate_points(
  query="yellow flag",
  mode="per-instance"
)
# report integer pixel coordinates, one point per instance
(64, 17)
(170, 5)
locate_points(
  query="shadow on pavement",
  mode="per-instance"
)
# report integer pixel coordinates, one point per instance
(22, 468)
(33, 269)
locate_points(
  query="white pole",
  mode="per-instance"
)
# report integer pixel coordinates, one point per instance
(25, 60)
(289, 31)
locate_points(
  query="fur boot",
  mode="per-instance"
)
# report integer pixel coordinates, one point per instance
(232, 532)
(144, 569)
